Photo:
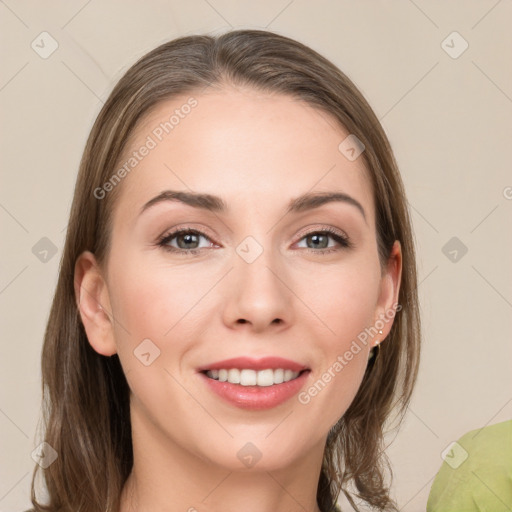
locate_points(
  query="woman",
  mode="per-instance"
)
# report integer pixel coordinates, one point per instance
(238, 246)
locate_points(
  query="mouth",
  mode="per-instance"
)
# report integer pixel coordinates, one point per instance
(254, 390)
(249, 377)
(255, 384)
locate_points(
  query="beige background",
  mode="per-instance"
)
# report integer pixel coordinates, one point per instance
(449, 121)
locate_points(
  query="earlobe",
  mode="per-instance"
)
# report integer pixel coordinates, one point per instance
(93, 303)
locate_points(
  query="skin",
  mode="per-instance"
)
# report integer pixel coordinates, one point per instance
(257, 151)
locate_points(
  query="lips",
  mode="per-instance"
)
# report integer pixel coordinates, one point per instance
(256, 397)
(248, 363)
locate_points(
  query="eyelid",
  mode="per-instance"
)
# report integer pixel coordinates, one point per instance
(309, 230)
(176, 230)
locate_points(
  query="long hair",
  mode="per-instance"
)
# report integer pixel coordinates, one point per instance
(86, 396)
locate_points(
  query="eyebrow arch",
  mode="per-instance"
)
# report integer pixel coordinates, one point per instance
(213, 203)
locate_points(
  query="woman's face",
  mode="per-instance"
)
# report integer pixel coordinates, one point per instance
(261, 282)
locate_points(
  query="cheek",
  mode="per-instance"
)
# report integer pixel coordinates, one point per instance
(142, 302)
(158, 302)
(343, 301)
(150, 302)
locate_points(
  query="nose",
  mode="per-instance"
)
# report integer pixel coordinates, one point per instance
(258, 296)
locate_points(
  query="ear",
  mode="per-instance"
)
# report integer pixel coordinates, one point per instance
(93, 302)
(389, 288)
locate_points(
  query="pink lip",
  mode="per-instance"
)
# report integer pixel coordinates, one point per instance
(256, 397)
(249, 363)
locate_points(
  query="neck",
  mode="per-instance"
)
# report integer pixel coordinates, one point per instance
(167, 477)
(229, 493)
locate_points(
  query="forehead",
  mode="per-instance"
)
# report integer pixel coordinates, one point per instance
(242, 144)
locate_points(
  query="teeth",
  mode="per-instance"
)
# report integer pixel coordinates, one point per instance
(246, 377)
(234, 376)
(278, 376)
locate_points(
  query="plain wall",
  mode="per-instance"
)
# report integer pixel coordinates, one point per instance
(450, 125)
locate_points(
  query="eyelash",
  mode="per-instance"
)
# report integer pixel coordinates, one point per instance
(343, 240)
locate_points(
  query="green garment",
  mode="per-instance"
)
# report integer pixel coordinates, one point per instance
(476, 475)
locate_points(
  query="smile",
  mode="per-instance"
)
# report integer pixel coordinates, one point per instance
(254, 391)
(248, 377)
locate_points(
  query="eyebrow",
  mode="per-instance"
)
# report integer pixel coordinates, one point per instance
(216, 204)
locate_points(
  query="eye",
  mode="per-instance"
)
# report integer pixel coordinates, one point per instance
(187, 241)
(320, 241)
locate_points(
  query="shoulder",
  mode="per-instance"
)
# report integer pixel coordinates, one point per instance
(486, 447)
(481, 447)
(477, 461)
(490, 436)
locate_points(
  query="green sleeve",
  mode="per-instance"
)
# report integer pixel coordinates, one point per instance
(476, 475)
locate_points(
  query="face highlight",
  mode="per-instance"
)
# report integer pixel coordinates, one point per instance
(243, 233)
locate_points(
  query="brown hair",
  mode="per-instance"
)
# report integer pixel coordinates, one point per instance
(85, 394)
